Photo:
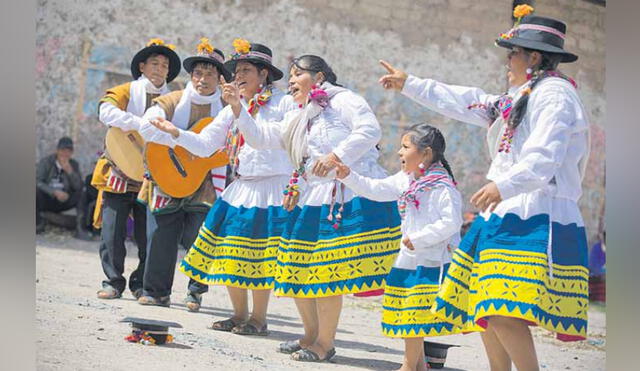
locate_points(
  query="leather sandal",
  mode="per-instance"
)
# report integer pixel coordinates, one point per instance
(108, 292)
(225, 325)
(193, 301)
(249, 328)
(164, 301)
(289, 347)
(307, 355)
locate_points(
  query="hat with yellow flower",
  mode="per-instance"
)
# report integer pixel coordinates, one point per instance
(156, 46)
(207, 54)
(536, 33)
(254, 53)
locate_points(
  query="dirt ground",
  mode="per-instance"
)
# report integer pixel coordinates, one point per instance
(77, 331)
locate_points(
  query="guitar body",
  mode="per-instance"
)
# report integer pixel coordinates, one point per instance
(178, 172)
(126, 150)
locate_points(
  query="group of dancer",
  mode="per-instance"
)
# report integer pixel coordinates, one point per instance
(305, 210)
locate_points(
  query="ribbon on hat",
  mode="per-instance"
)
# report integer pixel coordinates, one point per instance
(206, 49)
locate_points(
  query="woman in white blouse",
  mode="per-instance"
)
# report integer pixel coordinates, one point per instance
(238, 241)
(431, 211)
(337, 242)
(524, 260)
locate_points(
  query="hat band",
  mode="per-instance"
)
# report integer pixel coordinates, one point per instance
(213, 55)
(253, 53)
(537, 27)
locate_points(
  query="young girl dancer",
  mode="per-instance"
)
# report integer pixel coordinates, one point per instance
(430, 207)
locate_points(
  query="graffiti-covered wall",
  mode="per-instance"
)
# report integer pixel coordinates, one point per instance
(86, 47)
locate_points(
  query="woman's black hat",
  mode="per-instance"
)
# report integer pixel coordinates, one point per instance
(253, 52)
(538, 33)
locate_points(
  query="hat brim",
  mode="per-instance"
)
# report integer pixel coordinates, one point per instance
(537, 45)
(275, 72)
(142, 55)
(188, 64)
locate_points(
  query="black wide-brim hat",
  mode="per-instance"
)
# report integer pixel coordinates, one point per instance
(142, 55)
(158, 330)
(541, 34)
(216, 59)
(258, 53)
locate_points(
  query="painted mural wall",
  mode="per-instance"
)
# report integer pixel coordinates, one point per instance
(85, 47)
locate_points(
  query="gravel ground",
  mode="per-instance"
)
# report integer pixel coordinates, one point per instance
(77, 331)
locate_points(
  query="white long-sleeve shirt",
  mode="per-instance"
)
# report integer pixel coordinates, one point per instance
(347, 127)
(254, 160)
(111, 115)
(431, 227)
(131, 117)
(551, 142)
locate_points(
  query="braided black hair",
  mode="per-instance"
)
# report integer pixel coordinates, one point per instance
(426, 136)
(315, 64)
(549, 62)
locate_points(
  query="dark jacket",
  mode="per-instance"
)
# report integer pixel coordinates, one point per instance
(48, 171)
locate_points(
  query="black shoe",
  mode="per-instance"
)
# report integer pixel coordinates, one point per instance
(83, 235)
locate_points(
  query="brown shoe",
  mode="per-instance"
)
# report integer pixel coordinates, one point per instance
(163, 301)
(193, 301)
(109, 293)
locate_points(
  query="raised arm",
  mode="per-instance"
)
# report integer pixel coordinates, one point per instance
(450, 100)
(266, 135)
(365, 129)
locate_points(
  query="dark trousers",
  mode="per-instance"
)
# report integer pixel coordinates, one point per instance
(45, 202)
(114, 232)
(86, 204)
(179, 227)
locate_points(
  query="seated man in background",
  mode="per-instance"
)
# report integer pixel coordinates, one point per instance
(58, 183)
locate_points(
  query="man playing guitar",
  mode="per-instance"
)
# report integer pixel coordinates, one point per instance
(122, 107)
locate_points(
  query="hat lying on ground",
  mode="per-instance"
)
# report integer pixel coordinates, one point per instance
(149, 331)
(436, 353)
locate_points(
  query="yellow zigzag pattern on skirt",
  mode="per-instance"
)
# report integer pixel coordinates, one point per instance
(406, 313)
(514, 284)
(232, 261)
(336, 266)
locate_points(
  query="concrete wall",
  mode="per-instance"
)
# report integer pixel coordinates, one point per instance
(85, 47)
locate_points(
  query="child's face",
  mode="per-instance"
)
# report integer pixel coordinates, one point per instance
(411, 157)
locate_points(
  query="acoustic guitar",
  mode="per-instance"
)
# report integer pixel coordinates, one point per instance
(126, 150)
(178, 172)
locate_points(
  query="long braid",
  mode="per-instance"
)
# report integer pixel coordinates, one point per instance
(549, 63)
(446, 165)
